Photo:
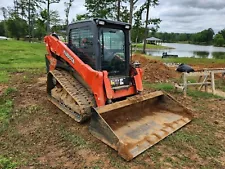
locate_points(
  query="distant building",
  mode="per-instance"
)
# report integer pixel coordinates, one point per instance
(153, 40)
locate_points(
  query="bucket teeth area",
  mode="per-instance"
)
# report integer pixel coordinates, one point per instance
(140, 124)
(158, 125)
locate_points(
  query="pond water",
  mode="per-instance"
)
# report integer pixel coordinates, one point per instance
(190, 50)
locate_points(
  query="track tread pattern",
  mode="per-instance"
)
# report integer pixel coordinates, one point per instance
(82, 98)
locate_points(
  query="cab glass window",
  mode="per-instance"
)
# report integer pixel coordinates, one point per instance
(81, 43)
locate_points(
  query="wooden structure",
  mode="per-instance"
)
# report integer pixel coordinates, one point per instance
(206, 78)
(153, 40)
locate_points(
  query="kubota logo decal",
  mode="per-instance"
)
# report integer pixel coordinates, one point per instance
(68, 56)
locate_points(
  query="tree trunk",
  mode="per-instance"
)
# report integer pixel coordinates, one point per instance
(48, 17)
(67, 20)
(118, 10)
(146, 26)
(131, 11)
(67, 10)
(29, 21)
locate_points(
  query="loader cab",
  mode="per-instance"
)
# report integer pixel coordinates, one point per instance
(102, 44)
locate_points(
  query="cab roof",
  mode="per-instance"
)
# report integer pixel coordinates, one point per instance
(95, 20)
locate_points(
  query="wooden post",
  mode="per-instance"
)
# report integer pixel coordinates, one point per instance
(203, 83)
(199, 80)
(213, 82)
(206, 75)
(185, 84)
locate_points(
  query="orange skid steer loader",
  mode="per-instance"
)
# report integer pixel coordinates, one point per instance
(92, 77)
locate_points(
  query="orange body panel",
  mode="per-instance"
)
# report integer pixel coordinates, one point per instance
(96, 80)
(138, 80)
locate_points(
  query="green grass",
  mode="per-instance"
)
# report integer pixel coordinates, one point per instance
(192, 80)
(174, 151)
(75, 139)
(199, 61)
(159, 86)
(4, 76)
(202, 95)
(6, 163)
(169, 88)
(21, 55)
(6, 107)
(5, 110)
(203, 142)
(149, 46)
(10, 90)
(188, 60)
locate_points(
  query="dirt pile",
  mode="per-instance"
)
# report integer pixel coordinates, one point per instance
(154, 70)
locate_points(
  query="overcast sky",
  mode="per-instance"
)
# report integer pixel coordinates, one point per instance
(176, 15)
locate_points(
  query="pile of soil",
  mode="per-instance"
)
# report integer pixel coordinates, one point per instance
(154, 70)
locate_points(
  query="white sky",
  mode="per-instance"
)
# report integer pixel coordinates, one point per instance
(176, 15)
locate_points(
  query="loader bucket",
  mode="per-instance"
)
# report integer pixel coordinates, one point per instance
(133, 125)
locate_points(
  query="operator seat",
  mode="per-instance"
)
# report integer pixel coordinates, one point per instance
(83, 52)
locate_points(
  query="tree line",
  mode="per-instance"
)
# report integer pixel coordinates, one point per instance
(33, 18)
(125, 11)
(205, 37)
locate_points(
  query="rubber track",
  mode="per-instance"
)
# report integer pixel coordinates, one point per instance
(83, 99)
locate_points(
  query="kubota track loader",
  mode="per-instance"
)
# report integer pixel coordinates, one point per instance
(92, 77)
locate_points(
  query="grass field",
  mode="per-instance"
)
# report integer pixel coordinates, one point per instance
(21, 55)
(203, 61)
(189, 60)
(149, 46)
(36, 134)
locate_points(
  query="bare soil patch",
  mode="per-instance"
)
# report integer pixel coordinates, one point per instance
(2, 88)
(41, 136)
(155, 70)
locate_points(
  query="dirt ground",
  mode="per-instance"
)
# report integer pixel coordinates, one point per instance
(42, 136)
(154, 70)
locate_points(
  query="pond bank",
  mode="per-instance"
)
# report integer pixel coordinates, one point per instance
(139, 46)
(190, 50)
